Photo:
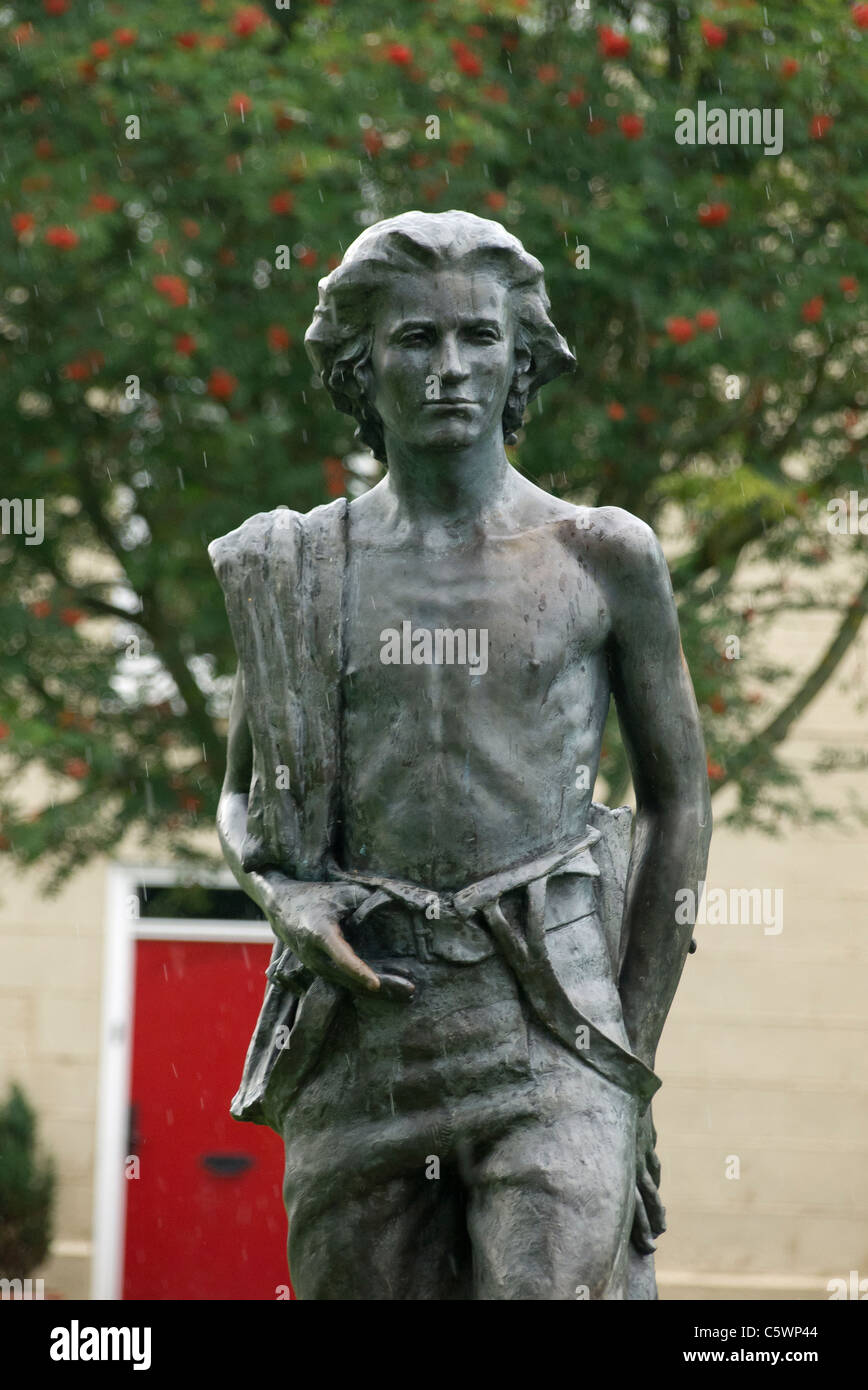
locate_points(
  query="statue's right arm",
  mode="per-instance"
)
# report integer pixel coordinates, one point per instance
(305, 916)
(232, 808)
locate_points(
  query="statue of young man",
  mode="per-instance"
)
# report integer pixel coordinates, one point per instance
(460, 1025)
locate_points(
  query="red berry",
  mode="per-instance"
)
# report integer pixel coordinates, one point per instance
(612, 45)
(333, 469)
(631, 126)
(469, 63)
(399, 54)
(712, 214)
(713, 35)
(812, 309)
(278, 338)
(281, 202)
(62, 237)
(173, 288)
(372, 141)
(247, 20)
(221, 384)
(680, 329)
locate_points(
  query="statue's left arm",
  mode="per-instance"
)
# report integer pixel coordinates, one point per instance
(672, 829)
(663, 737)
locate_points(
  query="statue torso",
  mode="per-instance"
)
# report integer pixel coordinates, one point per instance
(449, 775)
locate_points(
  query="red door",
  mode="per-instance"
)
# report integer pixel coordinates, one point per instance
(205, 1216)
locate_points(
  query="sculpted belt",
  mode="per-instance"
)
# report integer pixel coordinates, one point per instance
(468, 925)
(449, 926)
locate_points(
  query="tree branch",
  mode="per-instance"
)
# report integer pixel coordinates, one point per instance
(151, 621)
(776, 731)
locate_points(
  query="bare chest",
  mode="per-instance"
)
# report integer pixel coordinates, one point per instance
(516, 609)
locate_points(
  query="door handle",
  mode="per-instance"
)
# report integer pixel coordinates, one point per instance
(226, 1165)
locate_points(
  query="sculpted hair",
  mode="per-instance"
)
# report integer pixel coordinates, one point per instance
(340, 338)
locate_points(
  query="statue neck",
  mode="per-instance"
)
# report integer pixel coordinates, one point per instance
(441, 486)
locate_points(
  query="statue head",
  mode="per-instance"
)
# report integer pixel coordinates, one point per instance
(469, 259)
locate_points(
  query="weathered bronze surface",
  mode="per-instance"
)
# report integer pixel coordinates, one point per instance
(469, 980)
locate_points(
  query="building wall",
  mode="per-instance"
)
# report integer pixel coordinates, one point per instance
(763, 1058)
(764, 1054)
(50, 982)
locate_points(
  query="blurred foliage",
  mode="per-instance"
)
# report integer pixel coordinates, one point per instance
(156, 391)
(27, 1185)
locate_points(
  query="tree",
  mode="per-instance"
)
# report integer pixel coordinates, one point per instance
(172, 196)
(27, 1184)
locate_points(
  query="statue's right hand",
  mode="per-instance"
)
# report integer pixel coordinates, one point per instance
(307, 917)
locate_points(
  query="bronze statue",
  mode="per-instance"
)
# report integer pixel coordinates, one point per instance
(468, 987)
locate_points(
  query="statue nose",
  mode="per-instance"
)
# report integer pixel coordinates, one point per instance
(451, 366)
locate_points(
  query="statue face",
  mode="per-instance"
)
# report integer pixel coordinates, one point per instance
(443, 357)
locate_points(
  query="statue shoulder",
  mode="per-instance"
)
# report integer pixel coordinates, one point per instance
(258, 535)
(253, 537)
(620, 541)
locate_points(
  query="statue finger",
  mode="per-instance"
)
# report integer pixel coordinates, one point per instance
(654, 1208)
(347, 969)
(641, 1235)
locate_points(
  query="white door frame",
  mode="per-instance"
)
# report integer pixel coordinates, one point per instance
(123, 928)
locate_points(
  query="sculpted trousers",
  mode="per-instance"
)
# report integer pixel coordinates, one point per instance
(451, 1148)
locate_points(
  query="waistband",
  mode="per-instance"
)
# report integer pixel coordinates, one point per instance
(572, 858)
(523, 948)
